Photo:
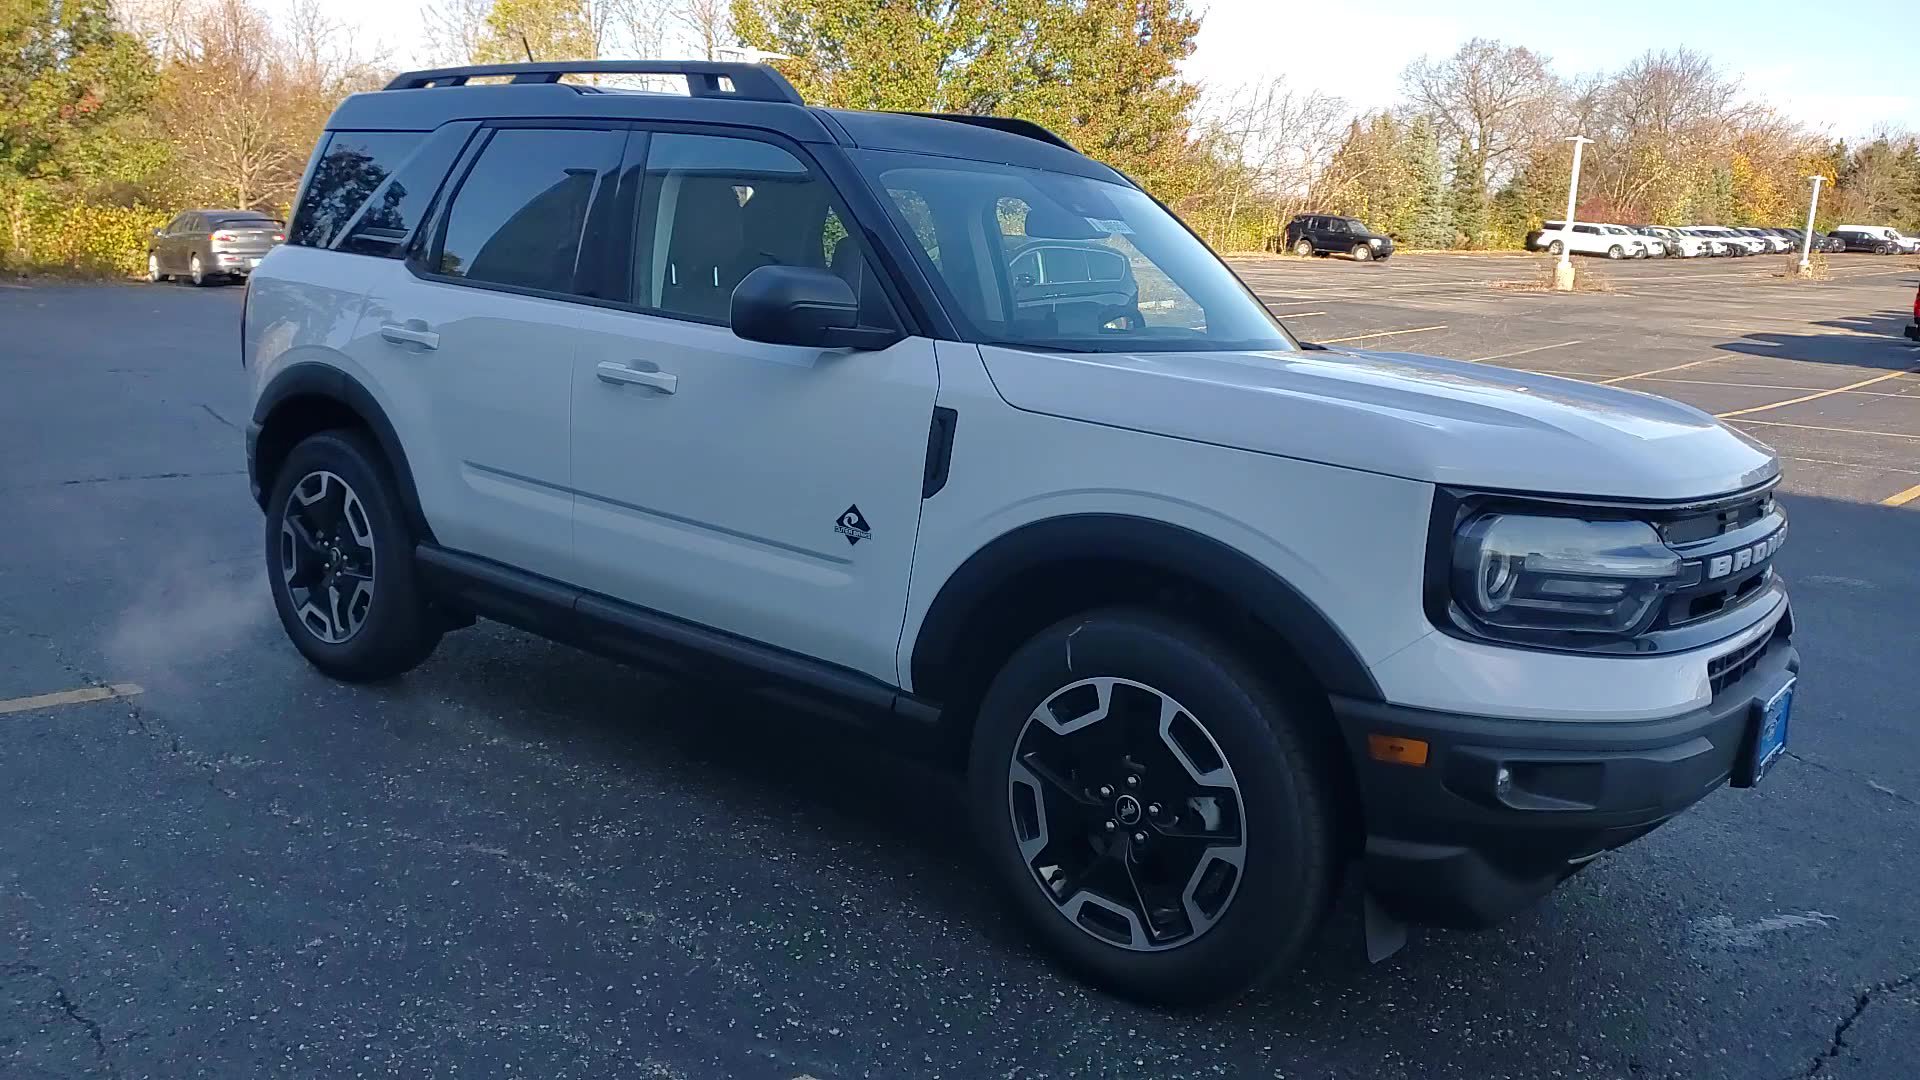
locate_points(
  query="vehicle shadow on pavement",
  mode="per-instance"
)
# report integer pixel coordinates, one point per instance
(1875, 340)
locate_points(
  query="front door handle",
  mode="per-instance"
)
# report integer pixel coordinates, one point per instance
(663, 381)
(414, 332)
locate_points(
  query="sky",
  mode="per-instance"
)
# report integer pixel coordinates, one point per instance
(1815, 63)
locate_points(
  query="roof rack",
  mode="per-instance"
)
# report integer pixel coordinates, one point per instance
(1010, 125)
(705, 78)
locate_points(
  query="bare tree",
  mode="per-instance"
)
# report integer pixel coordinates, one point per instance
(1501, 100)
(708, 24)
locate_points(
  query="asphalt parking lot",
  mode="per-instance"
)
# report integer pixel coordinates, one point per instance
(523, 861)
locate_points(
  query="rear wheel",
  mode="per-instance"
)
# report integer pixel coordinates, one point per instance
(1303, 247)
(1362, 253)
(1557, 248)
(1155, 811)
(340, 562)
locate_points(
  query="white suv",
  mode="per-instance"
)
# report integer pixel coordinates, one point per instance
(934, 425)
(1586, 238)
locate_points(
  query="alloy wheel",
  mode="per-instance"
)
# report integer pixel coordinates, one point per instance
(153, 267)
(1127, 814)
(326, 557)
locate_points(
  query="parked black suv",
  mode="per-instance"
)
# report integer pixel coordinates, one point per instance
(1320, 234)
(1860, 241)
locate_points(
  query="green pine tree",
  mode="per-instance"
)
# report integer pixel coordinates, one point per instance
(1430, 223)
(1468, 197)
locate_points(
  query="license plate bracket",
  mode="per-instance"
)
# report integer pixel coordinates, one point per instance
(1766, 738)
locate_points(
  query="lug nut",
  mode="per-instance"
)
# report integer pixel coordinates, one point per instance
(1133, 781)
(1106, 791)
(1110, 826)
(1153, 809)
(1139, 838)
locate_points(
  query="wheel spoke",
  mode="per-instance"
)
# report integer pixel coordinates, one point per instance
(1059, 784)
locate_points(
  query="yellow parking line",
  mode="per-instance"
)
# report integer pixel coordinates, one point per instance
(1820, 394)
(1903, 498)
(69, 697)
(1383, 333)
(1522, 352)
(1664, 370)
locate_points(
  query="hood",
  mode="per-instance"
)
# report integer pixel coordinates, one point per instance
(1418, 417)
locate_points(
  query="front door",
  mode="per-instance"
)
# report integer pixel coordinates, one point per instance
(473, 345)
(769, 491)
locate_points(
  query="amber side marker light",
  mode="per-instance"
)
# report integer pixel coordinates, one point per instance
(1397, 751)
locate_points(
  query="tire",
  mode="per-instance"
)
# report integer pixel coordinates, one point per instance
(1557, 247)
(1616, 252)
(394, 630)
(153, 268)
(1303, 247)
(1239, 733)
(1362, 253)
(195, 272)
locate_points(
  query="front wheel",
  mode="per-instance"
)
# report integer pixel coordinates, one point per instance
(195, 272)
(153, 268)
(1556, 248)
(1155, 811)
(340, 562)
(1362, 253)
(1303, 247)
(1616, 252)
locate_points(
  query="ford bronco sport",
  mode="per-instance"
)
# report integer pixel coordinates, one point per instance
(932, 424)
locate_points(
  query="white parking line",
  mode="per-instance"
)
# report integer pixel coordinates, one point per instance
(1383, 333)
(1771, 386)
(1522, 352)
(1849, 464)
(1295, 314)
(1835, 430)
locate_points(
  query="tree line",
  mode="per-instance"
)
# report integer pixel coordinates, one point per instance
(114, 113)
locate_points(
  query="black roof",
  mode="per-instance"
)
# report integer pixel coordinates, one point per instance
(746, 95)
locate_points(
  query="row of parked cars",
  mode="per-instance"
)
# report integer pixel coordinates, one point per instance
(1696, 241)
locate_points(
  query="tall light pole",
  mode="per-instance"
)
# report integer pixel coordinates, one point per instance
(1806, 241)
(1563, 273)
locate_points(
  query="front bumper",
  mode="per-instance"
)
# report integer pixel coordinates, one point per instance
(1446, 847)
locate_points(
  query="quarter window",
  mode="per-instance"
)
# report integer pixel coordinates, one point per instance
(351, 166)
(518, 217)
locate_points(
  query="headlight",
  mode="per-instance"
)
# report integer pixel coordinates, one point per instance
(1375, 241)
(1561, 575)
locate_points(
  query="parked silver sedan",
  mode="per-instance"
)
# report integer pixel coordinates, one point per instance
(202, 246)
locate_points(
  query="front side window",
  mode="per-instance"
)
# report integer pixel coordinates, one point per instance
(351, 166)
(713, 209)
(1041, 259)
(518, 216)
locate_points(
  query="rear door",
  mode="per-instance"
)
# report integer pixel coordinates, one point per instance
(473, 336)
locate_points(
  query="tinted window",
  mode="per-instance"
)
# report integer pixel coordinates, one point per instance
(714, 209)
(353, 164)
(1585, 229)
(1336, 225)
(395, 208)
(518, 216)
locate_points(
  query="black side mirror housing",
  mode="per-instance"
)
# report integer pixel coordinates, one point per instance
(802, 305)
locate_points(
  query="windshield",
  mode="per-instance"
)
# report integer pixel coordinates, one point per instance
(1049, 260)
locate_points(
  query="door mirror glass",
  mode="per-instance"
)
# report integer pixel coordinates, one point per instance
(799, 305)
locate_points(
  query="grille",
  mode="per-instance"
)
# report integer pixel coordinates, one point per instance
(1724, 671)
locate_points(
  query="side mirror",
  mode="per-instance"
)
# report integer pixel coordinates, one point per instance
(159, 232)
(799, 305)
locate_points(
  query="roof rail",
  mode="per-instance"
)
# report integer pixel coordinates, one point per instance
(705, 78)
(1008, 124)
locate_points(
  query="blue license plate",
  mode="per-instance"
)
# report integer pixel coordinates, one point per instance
(1770, 735)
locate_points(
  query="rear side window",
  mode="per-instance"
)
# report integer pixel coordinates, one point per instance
(397, 206)
(518, 217)
(351, 166)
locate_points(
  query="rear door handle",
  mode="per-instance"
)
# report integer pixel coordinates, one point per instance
(414, 332)
(663, 381)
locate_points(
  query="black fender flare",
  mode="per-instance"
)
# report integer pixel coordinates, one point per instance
(1168, 548)
(312, 379)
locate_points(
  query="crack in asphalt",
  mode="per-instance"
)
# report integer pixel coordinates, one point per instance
(217, 416)
(1861, 1001)
(66, 1003)
(125, 477)
(1841, 770)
